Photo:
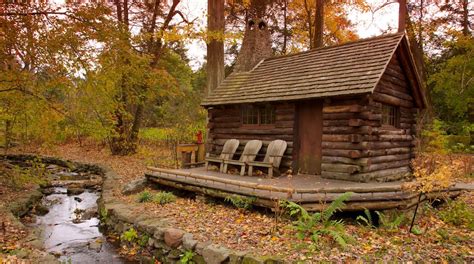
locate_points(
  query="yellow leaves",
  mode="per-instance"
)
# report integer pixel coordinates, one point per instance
(434, 171)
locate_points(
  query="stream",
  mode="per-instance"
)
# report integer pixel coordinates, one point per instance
(69, 225)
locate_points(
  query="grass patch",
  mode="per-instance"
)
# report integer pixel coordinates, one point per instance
(164, 198)
(145, 197)
(154, 133)
(457, 213)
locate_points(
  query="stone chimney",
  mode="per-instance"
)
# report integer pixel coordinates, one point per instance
(256, 46)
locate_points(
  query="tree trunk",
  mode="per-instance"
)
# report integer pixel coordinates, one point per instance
(465, 18)
(285, 26)
(319, 24)
(402, 15)
(215, 46)
(310, 24)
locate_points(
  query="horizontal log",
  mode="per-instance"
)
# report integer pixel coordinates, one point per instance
(388, 99)
(386, 88)
(250, 137)
(343, 108)
(361, 122)
(256, 131)
(342, 153)
(392, 138)
(342, 145)
(385, 175)
(338, 116)
(384, 152)
(336, 122)
(368, 115)
(287, 117)
(382, 159)
(348, 130)
(284, 111)
(337, 167)
(386, 165)
(343, 160)
(284, 124)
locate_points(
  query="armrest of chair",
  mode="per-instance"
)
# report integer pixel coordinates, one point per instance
(260, 164)
(235, 162)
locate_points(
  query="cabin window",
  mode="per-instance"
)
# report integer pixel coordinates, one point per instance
(390, 115)
(258, 115)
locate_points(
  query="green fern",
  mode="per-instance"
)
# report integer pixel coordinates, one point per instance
(367, 219)
(319, 223)
(335, 206)
(390, 222)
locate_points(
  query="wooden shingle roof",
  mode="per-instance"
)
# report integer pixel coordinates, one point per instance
(351, 68)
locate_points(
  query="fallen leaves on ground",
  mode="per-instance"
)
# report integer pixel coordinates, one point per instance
(260, 232)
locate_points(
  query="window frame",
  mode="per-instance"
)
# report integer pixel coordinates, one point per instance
(390, 116)
(266, 111)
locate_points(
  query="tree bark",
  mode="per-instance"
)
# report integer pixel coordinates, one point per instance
(310, 24)
(215, 46)
(319, 24)
(465, 18)
(285, 26)
(402, 15)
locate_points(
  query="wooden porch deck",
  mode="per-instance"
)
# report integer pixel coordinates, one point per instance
(311, 191)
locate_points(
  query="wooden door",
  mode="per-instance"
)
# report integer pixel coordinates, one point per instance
(309, 131)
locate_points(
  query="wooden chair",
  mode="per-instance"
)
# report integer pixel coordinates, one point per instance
(250, 152)
(272, 159)
(228, 151)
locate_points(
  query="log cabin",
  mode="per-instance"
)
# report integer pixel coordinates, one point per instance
(347, 112)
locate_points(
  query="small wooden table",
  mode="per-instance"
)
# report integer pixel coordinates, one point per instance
(191, 154)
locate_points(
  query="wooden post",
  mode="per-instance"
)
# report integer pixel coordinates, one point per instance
(215, 46)
(402, 15)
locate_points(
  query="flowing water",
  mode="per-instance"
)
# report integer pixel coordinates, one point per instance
(76, 240)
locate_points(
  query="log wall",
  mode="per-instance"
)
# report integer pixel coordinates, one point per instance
(356, 146)
(225, 123)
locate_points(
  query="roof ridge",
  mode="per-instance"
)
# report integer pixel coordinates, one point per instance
(338, 45)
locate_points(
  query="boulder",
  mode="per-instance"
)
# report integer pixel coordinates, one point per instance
(236, 257)
(215, 255)
(173, 237)
(189, 243)
(134, 186)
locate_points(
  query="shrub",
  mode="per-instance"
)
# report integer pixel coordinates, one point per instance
(434, 171)
(320, 223)
(164, 198)
(145, 197)
(186, 257)
(457, 213)
(239, 201)
(130, 235)
(143, 240)
(18, 177)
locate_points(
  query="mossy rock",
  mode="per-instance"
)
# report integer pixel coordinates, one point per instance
(198, 259)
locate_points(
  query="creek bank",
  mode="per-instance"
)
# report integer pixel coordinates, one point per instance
(163, 242)
(62, 213)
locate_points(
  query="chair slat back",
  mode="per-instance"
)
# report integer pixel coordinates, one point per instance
(276, 149)
(229, 149)
(251, 150)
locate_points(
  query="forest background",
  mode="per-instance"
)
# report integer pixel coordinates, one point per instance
(118, 73)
